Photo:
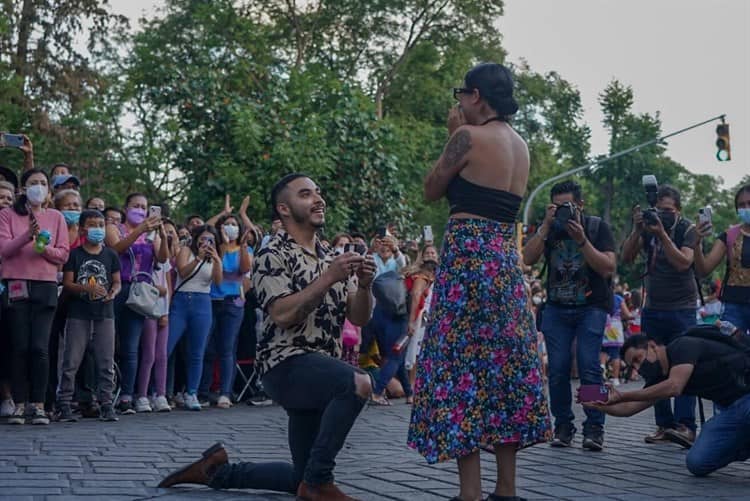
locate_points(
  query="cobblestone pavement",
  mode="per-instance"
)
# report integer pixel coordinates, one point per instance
(126, 460)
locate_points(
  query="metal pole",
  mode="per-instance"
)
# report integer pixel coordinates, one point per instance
(530, 200)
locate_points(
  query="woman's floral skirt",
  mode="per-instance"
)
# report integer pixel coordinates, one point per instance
(479, 380)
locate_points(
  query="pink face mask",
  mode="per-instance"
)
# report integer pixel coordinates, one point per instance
(135, 215)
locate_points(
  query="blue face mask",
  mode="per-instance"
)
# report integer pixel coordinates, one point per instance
(95, 235)
(71, 217)
(744, 215)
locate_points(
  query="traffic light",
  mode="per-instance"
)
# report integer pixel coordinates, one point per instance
(722, 142)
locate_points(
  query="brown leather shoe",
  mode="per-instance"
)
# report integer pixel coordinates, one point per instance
(657, 437)
(324, 492)
(199, 472)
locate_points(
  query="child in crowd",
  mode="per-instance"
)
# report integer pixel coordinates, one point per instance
(92, 277)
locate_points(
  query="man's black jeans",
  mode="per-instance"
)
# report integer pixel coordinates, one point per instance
(319, 395)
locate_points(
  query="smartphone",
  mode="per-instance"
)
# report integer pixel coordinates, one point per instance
(154, 210)
(704, 215)
(358, 248)
(593, 393)
(428, 234)
(382, 232)
(11, 140)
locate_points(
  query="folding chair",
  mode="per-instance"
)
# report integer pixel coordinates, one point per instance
(248, 379)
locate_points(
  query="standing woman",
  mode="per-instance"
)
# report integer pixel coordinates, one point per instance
(228, 304)
(33, 244)
(131, 240)
(479, 381)
(198, 267)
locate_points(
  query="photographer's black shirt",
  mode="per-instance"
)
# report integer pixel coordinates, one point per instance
(709, 380)
(667, 288)
(571, 282)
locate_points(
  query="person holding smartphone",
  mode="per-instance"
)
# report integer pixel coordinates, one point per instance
(734, 245)
(199, 266)
(137, 258)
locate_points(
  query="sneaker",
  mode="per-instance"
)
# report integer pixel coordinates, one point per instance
(204, 401)
(107, 413)
(65, 414)
(142, 405)
(179, 399)
(593, 438)
(7, 408)
(260, 400)
(191, 402)
(682, 435)
(160, 404)
(125, 407)
(656, 437)
(38, 416)
(18, 416)
(224, 402)
(564, 434)
(90, 410)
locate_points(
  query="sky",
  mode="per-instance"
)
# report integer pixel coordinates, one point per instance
(687, 59)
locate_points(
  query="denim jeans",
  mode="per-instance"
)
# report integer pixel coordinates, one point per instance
(190, 313)
(561, 326)
(738, 314)
(319, 395)
(665, 326)
(129, 327)
(387, 330)
(222, 344)
(724, 438)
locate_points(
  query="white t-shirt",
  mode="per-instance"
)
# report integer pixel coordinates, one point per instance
(201, 282)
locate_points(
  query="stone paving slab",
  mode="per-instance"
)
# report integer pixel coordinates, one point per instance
(125, 460)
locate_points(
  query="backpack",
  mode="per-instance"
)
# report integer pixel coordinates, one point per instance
(390, 293)
(734, 366)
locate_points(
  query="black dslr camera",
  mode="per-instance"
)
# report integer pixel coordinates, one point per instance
(650, 216)
(564, 213)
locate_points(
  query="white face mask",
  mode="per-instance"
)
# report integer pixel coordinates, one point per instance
(231, 231)
(537, 300)
(36, 193)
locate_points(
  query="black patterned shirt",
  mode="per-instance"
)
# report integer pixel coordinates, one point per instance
(281, 269)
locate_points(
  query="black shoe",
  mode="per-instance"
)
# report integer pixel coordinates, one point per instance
(90, 410)
(125, 407)
(65, 414)
(107, 413)
(564, 434)
(493, 497)
(593, 438)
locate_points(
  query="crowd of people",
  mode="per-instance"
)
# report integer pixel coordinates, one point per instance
(149, 314)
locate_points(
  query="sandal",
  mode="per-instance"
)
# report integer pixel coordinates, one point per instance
(379, 400)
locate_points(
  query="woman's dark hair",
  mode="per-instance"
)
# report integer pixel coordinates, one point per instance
(132, 196)
(198, 231)
(338, 237)
(495, 84)
(223, 219)
(91, 198)
(21, 203)
(743, 189)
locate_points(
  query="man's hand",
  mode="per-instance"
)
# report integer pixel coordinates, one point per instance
(575, 230)
(343, 266)
(638, 224)
(27, 147)
(655, 229)
(366, 271)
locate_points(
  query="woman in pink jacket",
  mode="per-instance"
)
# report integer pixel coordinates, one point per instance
(33, 243)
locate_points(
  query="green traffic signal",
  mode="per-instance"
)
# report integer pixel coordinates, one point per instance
(722, 143)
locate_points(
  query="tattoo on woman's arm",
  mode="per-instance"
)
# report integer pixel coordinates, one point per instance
(458, 146)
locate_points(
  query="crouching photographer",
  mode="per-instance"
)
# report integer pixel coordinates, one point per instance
(703, 362)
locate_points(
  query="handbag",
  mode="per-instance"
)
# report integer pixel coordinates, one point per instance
(143, 297)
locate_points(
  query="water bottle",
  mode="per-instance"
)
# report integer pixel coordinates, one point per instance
(727, 328)
(400, 344)
(41, 241)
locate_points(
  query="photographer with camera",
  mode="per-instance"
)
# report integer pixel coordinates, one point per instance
(666, 240)
(704, 362)
(579, 253)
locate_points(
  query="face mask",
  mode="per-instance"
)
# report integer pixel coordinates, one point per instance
(650, 371)
(744, 215)
(136, 216)
(668, 219)
(36, 194)
(537, 300)
(231, 231)
(95, 235)
(71, 217)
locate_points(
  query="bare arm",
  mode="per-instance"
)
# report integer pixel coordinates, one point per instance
(623, 409)
(671, 387)
(682, 258)
(451, 162)
(185, 266)
(634, 243)
(534, 248)
(705, 264)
